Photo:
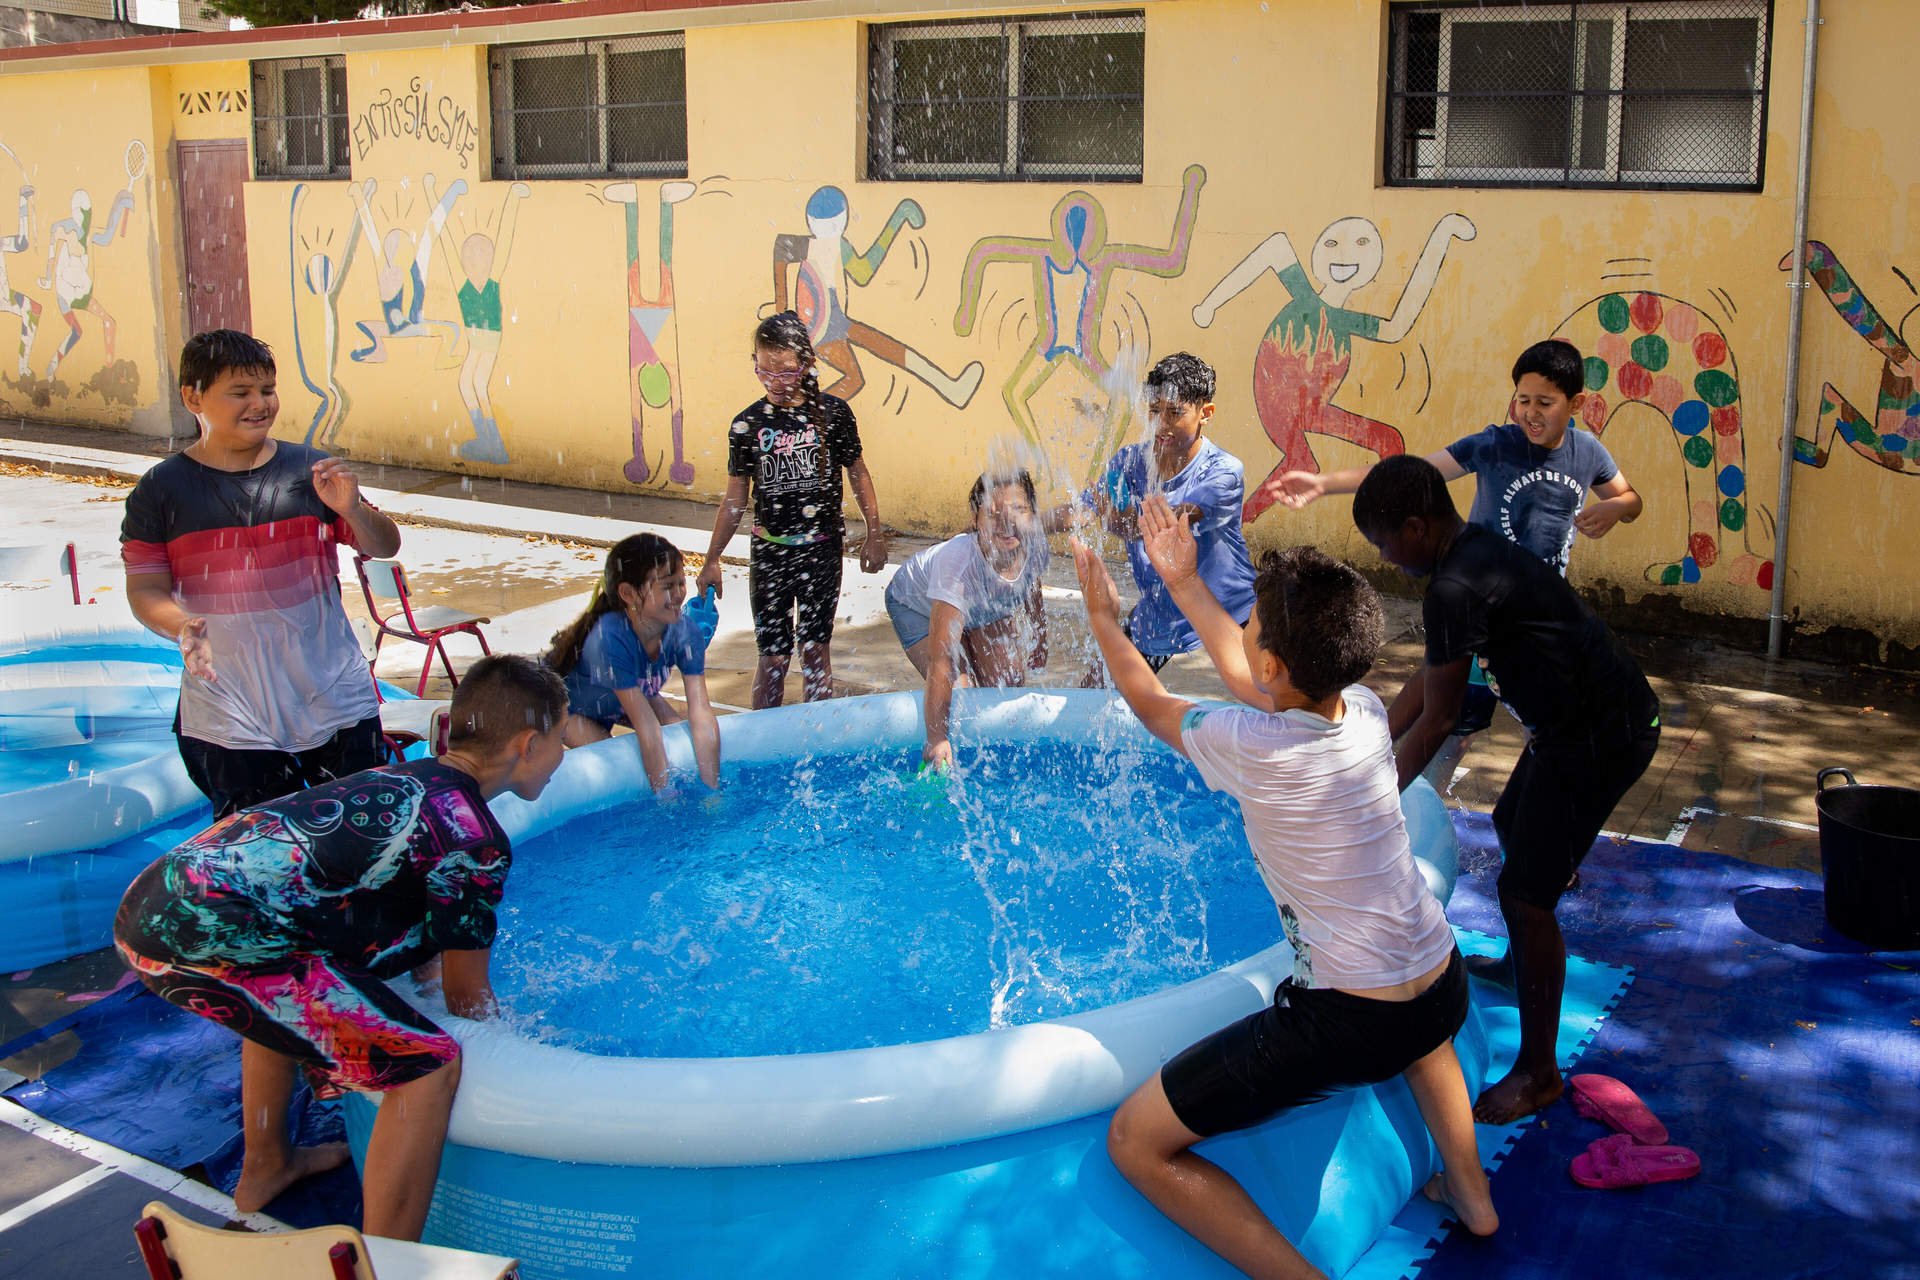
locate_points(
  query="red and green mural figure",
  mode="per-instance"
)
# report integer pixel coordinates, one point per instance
(1663, 352)
(1308, 347)
(1891, 437)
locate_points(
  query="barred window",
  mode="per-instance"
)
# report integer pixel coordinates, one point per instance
(1657, 94)
(300, 118)
(591, 108)
(1008, 100)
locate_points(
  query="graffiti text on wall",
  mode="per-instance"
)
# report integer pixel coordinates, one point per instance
(417, 113)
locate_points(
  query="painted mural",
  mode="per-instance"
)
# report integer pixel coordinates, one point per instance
(813, 274)
(1308, 346)
(1890, 436)
(1650, 348)
(403, 261)
(653, 344)
(12, 301)
(1073, 269)
(316, 263)
(70, 245)
(482, 257)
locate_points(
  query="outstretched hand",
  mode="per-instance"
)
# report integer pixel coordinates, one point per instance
(1166, 536)
(335, 484)
(1096, 584)
(1294, 489)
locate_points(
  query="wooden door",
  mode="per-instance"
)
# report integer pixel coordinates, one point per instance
(213, 222)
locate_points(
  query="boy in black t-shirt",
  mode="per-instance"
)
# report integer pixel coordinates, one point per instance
(790, 447)
(1593, 727)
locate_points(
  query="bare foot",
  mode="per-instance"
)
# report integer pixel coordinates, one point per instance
(1495, 971)
(260, 1185)
(1473, 1207)
(1514, 1096)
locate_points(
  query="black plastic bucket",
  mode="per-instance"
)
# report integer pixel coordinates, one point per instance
(1870, 858)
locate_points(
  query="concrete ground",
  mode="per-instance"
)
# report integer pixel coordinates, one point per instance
(1743, 736)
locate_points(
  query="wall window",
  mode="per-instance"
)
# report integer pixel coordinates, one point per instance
(300, 118)
(1654, 94)
(591, 108)
(1008, 100)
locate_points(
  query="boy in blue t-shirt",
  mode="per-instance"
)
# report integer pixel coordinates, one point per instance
(1192, 473)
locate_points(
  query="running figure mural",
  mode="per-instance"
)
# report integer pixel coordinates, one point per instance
(653, 351)
(1890, 437)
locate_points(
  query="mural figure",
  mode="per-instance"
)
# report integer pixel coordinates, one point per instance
(70, 268)
(324, 279)
(1891, 439)
(652, 374)
(1072, 270)
(824, 262)
(402, 277)
(1660, 351)
(13, 302)
(1305, 353)
(482, 260)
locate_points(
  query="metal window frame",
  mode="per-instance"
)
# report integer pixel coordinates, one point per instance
(268, 77)
(506, 116)
(1011, 166)
(1620, 14)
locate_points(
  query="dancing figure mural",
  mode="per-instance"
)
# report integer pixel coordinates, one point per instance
(402, 260)
(653, 354)
(1308, 347)
(323, 278)
(13, 302)
(1073, 268)
(482, 258)
(823, 263)
(1890, 437)
(71, 243)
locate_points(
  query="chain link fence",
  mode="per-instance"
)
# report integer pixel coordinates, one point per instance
(591, 108)
(300, 118)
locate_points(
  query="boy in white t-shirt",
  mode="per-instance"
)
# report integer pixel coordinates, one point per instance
(1378, 988)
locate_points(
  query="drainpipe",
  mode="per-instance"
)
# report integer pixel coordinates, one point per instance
(1797, 287)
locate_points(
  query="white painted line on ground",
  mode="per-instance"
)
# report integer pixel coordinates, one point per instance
(113, 1160)
(1688, 814)
(53, 1196)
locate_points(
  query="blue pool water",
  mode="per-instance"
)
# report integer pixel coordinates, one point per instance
(838, 903)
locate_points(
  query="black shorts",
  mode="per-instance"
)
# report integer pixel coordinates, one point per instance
(1307, 1045)
(1155, 661)
(1559, 797)
(235, 778)
(1476, 710)
(783, 582)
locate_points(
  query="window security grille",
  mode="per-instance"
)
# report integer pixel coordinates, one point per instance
(591, 108)
(1659, 94)
(300, 118)
(1059, 98)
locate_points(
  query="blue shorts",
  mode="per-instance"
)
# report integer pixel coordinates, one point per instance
(909, 623)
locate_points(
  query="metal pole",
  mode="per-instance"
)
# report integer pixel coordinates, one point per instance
(1796, 286)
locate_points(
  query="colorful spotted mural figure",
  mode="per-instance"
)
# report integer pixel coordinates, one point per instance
(12, 302)
(70, 269)
(653, 349)
(482, 257)
(1891, 437)
(823, 263)
(1305, 353)
(1073, 269)
(1651, 349)
(323, 278)
(402, 262)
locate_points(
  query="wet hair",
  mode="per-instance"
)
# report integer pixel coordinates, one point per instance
(501, 696)
(977, 496)
(1318, 616)
(1396, 490)
(208, 355)
(785, 331)
(633, 562)
(1556, 360)
(1184, 378)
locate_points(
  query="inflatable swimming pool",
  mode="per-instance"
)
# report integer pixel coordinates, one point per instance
(587, 1163)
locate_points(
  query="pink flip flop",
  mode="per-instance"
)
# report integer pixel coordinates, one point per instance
(1617, 1162)
(1618, 1107)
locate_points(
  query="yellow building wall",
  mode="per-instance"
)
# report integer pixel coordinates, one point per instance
(1264, 128)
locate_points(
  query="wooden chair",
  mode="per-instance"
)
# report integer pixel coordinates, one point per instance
(178, 1248)
(386, 581)
(32, 564)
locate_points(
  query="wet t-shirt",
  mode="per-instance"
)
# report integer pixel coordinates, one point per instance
(1529, 494)
(794, 458)
(612, 659)
(382, 869)
(955, 572)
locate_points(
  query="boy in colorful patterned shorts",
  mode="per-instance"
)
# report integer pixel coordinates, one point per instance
(285, 923)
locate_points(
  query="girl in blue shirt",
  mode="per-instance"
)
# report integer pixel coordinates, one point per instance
(615, 658)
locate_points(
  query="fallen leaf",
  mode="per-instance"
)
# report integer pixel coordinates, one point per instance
(1804, 1025)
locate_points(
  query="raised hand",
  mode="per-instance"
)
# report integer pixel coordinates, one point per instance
(1167, 538)
(335, 484)
(1096, 584)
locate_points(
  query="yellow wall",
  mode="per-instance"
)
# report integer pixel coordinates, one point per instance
(1277, 112)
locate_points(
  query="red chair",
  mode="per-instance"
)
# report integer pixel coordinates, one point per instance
(30, 564)
(385, 580)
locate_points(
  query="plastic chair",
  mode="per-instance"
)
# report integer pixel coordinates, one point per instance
(406, 721)
(386, 580)
(31, 563)
(177, 1248)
